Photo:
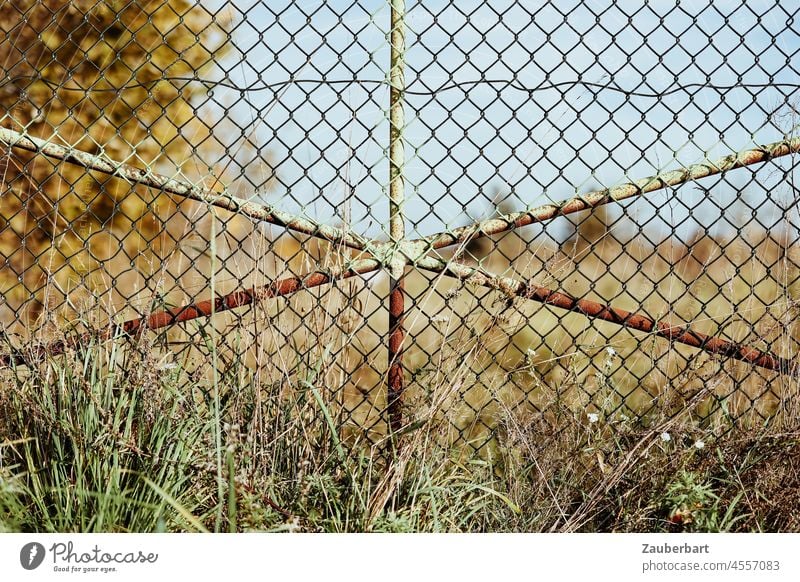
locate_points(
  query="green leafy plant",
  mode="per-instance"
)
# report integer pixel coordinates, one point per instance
(692, 505)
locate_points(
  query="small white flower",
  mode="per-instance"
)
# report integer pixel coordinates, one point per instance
(699, 444)
(531, 353)
(593, 417)
(665, 436)
(611, 352)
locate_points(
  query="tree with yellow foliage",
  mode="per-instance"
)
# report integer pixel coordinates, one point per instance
(101, 77)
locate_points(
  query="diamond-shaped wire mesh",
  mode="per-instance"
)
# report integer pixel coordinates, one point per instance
(517, 114)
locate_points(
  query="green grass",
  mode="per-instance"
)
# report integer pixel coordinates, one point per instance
(115, 438)
(108, 445)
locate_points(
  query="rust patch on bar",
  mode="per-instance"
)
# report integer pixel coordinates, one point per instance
(396, 339)
(682, 334)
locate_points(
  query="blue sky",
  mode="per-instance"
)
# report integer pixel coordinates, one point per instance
(471, 142)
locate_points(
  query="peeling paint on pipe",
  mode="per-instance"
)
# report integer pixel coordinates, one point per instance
(253, 210)
(614, 194)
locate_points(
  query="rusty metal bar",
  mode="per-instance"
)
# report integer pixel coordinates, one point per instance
(683, 334)
(614, 194)
(397, 232)
(168, 317)
(254, 210)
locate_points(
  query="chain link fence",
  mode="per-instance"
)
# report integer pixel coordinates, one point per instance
(445, 213)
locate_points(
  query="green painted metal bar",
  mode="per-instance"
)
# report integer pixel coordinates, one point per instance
(145, 177)
(617, 193)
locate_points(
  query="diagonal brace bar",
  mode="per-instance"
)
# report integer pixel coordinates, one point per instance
(509, 286)
(169, 317)
(266, 213)
(683, 334)
(253, 210)
(617, 193)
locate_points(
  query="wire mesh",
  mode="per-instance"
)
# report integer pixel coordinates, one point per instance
(593, 203)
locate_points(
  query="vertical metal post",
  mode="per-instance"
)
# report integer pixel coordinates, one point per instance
(396, 219)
